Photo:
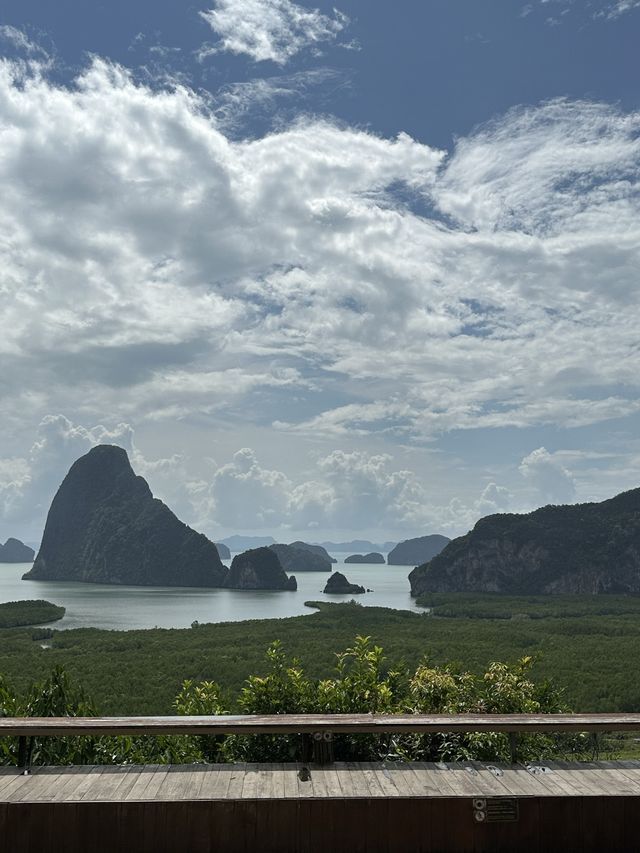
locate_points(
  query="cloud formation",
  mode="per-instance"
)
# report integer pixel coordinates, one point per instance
(610, 10)
(552, 481)
(274, 30)
(320, 281)
(27, 485)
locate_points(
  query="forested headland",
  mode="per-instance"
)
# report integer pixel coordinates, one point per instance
(15, 614)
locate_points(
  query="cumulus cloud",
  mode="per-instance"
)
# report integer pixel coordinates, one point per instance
(551, 480)
(323, 279)
(346, 491)
(273, 30)
(494, 498)
(249, 496)
(28, 484)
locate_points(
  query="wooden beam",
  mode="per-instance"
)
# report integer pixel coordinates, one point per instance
(312, 723)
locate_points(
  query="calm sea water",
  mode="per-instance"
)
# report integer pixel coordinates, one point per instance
(126, 607)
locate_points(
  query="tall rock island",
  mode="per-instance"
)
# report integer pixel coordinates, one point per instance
(105, 526)
(584, 548)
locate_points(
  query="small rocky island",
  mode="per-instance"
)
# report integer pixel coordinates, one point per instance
(15, 551)
(294, 559)
(373, 557)
(583, 549)
(105, 526)
(258, 568)
(413, 552)
(339, 585)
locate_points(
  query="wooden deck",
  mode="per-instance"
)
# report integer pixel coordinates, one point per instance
(340, 807)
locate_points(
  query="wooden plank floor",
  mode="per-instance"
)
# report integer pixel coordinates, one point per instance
(420, 807)
(419, 780)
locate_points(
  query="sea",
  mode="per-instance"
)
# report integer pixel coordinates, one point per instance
(123, 608)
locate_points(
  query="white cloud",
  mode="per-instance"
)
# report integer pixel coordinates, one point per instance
(494, 498)
(154, 269)
(617, 9)
(263, 97)
(21, 42)
(608, 11)
(245, 495)
(273, 30)
(551, 480)
(347, 491)
(27, 485)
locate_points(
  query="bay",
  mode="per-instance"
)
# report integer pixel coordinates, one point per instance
(125, 608)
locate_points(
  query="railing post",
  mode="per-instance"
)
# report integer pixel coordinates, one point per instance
(323, 748)
(317, 748)
(513, 746)
(25, 746)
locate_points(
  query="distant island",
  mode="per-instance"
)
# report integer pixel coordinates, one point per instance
(412, 552)
(294, 559)
(586, 548)
(373, 557)
(18, 614)
(258, 568)
(357, 545)
(15, 551)
(320, 550)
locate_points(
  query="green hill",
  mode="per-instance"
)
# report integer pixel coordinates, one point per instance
(585, 548)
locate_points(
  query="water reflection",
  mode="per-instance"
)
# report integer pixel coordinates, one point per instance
(127, 607)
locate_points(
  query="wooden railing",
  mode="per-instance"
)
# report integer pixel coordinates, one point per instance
(321, 726)
(311, 723)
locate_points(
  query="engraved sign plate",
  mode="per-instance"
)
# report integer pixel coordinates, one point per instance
(495, 809)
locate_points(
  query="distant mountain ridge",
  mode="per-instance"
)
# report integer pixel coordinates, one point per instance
(238, 542)
(582, 548)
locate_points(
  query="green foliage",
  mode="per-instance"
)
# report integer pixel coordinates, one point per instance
(284, 689)
(15, 614)
(596, 657)
(56, 696)
(486, 605)
(588, 546)
(202, 700)
(362, 684)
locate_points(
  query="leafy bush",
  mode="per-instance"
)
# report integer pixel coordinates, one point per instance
(362, 684)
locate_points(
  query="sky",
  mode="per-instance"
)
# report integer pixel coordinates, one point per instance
(367, 270)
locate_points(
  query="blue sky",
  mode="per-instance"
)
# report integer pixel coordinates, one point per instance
(364, 270)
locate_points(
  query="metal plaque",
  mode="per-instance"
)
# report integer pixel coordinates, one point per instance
(495, 809)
